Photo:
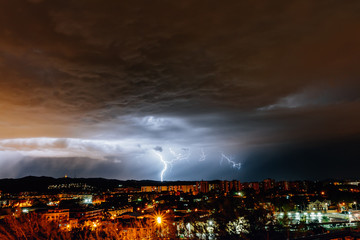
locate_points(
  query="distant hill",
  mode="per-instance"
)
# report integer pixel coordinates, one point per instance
(41, 184)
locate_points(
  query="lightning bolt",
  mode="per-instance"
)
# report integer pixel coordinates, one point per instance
(164, 162)
(230, 161)
(202, 156)
(184, 155)
(180, 156)
(177, 157)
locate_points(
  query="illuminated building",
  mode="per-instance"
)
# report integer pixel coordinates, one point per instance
(268, 184)
(60, 216)
(88, 215)
(203, 186)
(283, 185)
(319, 206)
(185, 188)
(118, 212)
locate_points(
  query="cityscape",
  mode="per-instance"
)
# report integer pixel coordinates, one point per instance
(111, 209)
(188, 119)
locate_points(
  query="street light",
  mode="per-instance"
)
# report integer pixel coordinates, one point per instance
(158, 220)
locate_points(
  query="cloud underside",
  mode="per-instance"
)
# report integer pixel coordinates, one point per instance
(237, 80)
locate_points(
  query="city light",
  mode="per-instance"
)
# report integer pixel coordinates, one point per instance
(171, 204)
(158, 220)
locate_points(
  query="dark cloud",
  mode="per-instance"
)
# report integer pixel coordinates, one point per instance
(228, 76)
(308, 160)
(158, 148)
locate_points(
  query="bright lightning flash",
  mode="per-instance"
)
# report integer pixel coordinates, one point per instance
(230, 160)
(184, 155)
(177, 157)
(180, 156)
(165, 164)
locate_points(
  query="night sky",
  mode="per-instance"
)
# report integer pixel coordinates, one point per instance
(216, 89)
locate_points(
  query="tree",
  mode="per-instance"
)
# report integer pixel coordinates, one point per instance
(31, 226)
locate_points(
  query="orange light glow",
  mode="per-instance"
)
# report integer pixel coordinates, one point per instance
(159, 218)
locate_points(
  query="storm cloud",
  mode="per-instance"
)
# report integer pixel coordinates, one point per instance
(106, 83)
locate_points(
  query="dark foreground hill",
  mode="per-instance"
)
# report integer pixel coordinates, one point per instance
(41, 184)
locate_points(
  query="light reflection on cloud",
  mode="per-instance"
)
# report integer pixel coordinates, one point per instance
(124, 153)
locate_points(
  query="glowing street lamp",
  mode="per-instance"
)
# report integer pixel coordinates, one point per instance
(158, 219)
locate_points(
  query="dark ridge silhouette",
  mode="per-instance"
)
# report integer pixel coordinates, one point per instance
(41, 184)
